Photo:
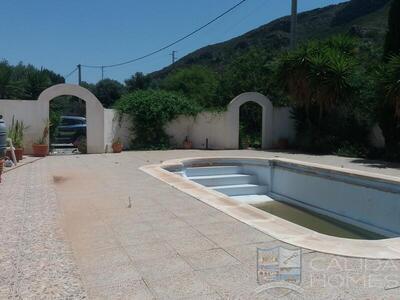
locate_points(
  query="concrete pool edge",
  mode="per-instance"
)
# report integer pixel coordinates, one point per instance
(269, 224)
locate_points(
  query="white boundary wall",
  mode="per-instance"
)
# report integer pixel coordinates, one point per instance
(220, 129)
(103, 125)
(35, 113)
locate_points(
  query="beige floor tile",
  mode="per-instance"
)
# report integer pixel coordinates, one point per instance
(148, 251)
(187, 285)
(111, 275)
(133, 290)
(191, 245)
(159, 268)
(207, 259)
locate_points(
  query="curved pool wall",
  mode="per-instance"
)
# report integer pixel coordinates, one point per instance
(365, 200)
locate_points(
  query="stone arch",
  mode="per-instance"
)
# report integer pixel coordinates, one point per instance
(267, 115)
(94, 112)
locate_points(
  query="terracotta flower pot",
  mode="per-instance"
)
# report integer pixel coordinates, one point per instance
(19, 153)
(187, 145)
(117, 147)
(1, 167)
(283, 144)
(40, 150)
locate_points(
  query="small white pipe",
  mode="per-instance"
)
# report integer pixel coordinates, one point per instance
(11, 148)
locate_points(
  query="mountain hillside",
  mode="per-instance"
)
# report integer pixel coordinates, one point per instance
(366, 19)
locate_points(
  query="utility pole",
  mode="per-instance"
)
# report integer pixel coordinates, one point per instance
(173, 56)
(102, 72)
(293, 25)
(79, 74)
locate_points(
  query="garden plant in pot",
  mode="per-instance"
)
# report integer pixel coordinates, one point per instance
(187, 144)
(81, 144)
(41, 147)
(16, 134)
(3, 143)
(117, 145)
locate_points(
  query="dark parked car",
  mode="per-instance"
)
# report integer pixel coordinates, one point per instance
(71, 130)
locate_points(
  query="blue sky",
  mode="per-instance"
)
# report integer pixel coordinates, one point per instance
(60, 34)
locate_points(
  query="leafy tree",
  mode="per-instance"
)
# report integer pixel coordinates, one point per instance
(249, 72)
(9, 89)
(388, 91)
(197, 83)
(108, 91)
(293, 74)
(150, 111)
(323, 80)
(25, 81)
(89, 86)
(35, 83)
(250, 118)
(390, 83)
(138, 81)
(319, 74)
(392, 42)
(54, 77)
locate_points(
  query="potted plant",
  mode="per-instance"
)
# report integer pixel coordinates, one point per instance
(16, 134)
(117, 145)
(81, 144)
(1, 166)
(41, 146)
(283, 143)
(187, 144)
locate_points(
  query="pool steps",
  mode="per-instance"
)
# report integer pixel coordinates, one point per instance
(231, 181)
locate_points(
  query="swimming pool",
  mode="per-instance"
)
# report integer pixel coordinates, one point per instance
(292, 200)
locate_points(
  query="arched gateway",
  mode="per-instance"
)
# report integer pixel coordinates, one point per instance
(267, 115)
(94, 112)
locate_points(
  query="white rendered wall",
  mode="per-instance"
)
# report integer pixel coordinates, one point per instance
(221, 129)
(207, 125)
(35, 113)
(116, 127)
(376, 137)
(283, 125)
(31, 113)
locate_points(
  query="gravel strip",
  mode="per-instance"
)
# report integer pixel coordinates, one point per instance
(35, 260)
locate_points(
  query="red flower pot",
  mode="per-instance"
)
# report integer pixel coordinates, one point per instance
(40, 150)
(19, 152)
(117, 147)
(187, 145)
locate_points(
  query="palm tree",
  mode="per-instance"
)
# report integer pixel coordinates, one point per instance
(293, 75)
(389, 76)
(318, 74)
(330, 77)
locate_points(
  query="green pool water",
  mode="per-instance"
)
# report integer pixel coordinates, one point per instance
(317, 222)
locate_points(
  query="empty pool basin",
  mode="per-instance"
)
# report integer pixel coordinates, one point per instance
(295, 201)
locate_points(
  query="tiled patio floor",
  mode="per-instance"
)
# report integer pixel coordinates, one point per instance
(68, 231)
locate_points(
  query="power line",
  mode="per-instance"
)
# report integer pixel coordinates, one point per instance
(171, 44)
(70, 73)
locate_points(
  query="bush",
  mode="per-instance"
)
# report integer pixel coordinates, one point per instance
(197, 83)
(339, 132)
(150, 111)
(388, 92)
